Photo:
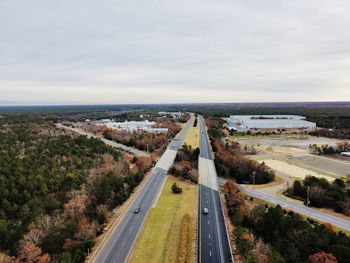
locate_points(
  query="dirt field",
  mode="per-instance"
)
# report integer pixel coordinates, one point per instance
(293, 170)
(338, 167)
(294, 149)
(160, 238)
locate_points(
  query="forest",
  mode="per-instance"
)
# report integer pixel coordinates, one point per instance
(230, 161)
(57, 191)
(335, 195)
(265, 234)
(186, 164)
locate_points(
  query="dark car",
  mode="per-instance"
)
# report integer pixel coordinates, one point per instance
(137, 210)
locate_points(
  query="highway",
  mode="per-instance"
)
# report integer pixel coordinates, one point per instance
(294, 206)
(213, 243)
(122, 237)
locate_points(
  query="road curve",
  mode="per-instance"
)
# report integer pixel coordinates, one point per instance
(296, 207)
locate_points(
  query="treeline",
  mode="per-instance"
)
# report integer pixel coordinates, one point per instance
(230, 161)
(335, 195)
(141, 140)
(332, 133)
(271, 234)
(57, 191)
(327, 149)
(186, 164)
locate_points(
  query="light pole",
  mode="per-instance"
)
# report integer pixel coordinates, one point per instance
(308, 196)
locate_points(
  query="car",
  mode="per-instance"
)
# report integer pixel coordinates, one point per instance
(137, 210)
(205, 210)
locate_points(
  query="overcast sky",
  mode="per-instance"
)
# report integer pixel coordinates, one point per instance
(160, 51)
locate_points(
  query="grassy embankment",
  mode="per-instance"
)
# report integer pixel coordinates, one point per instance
(169, 232)
(192, 137)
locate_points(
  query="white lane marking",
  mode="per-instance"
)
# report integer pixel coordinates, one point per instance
(209, 236)
(209, 252)
(208, 222)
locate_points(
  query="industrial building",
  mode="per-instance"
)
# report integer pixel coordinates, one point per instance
(269, 123)
(133, 126)
(175, 115)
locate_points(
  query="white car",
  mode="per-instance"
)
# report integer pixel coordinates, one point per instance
(205, 210)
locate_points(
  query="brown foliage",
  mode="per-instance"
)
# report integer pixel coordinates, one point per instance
(143, 164)
(7, 259)
(234, 196)
(75, 207)
(42, 227)
(322, 257)
(30, 253)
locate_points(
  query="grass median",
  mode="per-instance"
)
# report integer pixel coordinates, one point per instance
(192, 137)
(169, 232)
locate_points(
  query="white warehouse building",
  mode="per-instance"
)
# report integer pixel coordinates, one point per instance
(133, 126)
(243, 123)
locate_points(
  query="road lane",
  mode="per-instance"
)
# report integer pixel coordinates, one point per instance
(118, 247)
(213, 243)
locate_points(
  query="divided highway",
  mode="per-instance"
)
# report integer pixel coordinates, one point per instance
(213, 243)
(120, 242)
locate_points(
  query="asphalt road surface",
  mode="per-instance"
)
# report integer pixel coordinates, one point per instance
(296, 207)
(118, 247)
(213, 243)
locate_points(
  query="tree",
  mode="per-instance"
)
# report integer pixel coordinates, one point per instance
(322, 257)
(30, 253)
(176, 189)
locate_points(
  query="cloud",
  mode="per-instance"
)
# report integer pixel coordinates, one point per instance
(154, 51)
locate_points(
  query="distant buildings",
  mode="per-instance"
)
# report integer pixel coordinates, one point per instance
(133, 126)
(255, 123)
(174, 114)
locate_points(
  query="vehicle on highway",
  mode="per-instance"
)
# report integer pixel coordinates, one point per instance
(205, 210)
(137, 210)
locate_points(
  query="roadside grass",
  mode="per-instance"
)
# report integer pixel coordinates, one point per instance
(169, 232)
(192, 137)
(275, 182)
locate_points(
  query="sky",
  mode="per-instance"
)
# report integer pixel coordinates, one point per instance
(162, 51)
